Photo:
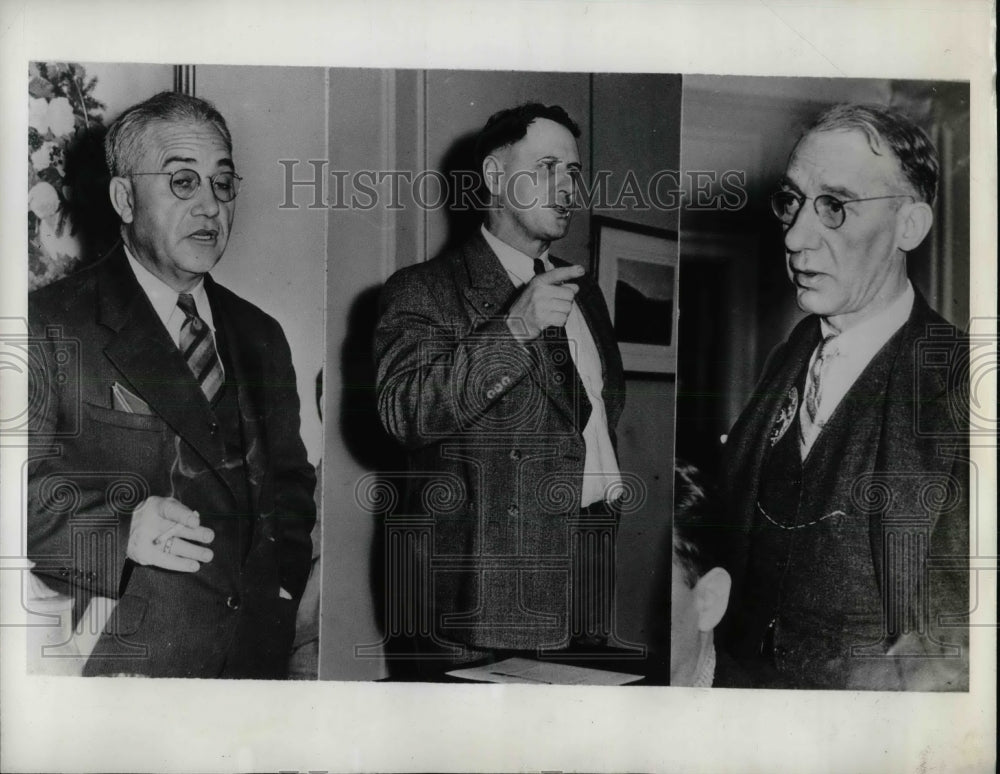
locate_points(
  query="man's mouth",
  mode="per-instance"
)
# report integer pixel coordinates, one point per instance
(205, 235)
(804, 277)
(562, 210)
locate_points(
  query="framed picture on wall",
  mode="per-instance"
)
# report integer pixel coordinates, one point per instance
(636, 268)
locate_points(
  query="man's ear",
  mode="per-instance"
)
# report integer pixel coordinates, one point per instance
(492, 174)
(121, 194)
(915, 221)
(711, 597)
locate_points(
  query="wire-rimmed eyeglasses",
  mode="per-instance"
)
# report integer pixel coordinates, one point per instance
(184, 183)
(829, 209)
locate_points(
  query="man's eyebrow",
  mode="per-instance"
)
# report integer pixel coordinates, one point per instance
(573, 164)
(840, 192)
(225, 162)
(787, 182)
(178, 160)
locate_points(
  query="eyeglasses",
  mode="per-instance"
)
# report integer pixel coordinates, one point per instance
(786, 205)
(184, 183)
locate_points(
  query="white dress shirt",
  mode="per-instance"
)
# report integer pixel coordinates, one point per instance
(164, 300)
(601, 476)
(847, 355)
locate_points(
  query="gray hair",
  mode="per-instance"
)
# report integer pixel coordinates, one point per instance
(888, 128)
(125, 141)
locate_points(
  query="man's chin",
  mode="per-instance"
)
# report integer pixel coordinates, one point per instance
(811, 302)
(204, 257)
(559, 229)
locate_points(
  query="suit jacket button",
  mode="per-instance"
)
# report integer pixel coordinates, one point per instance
(233, 602)
(515, 454)
(214, 429)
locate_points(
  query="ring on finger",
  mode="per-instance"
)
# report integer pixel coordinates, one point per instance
(168, 545)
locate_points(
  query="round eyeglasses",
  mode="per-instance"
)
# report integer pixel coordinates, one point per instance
(184, 183)
(829, 209)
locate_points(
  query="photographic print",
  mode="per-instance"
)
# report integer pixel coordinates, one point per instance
(395, 381)
(637, 270)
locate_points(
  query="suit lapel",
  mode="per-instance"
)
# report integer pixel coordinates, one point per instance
(245, 373)
(487, 288)
(489, 292)
(908, 383)
(144, 353)
(750, 439)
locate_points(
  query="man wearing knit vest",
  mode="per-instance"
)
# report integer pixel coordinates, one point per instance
(846, 474)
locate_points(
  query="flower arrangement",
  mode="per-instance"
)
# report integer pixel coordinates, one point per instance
(61, 105)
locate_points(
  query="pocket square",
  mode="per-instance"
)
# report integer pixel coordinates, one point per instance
(124, 400)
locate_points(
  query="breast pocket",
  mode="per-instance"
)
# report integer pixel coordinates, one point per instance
(120, 441)
(123, 419)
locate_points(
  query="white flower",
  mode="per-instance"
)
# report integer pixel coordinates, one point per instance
(61, 249)
(56, 115)
(61, 119)
(43, 200)
(38, 114)
(42, 157)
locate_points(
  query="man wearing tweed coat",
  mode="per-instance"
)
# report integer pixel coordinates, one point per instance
(499, 373)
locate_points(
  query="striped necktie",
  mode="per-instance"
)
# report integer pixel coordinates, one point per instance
(198, 347)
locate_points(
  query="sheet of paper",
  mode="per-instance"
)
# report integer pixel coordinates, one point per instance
(526, 670)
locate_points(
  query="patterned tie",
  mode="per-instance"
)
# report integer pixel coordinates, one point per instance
(563, 360)
(198, 347)
(814, 392)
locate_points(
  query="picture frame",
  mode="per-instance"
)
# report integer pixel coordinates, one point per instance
(636, 268)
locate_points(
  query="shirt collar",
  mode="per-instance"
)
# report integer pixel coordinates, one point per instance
(518, 265)
(868, 336)
(163, 297)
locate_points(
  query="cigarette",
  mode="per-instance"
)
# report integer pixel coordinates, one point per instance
(169, 533)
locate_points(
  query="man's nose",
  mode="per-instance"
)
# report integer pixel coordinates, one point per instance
(566, 186)
(803, 234)
(205, 201)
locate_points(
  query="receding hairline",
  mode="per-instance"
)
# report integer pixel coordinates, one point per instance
(508, 147)
(128, 136)
(898, 172)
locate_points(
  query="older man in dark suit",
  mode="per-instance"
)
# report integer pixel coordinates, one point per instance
(847, 471)
(499, 373)
(166, 469)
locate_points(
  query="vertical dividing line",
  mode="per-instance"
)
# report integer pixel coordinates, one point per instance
(184, 79)
(326, 359)
(422, 154)
(390, 131)
(676, 335)
(591, 156)
(947, 257)
(937, 235)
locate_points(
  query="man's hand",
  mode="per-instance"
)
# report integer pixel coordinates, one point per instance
(161, 533)
(545, 302)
